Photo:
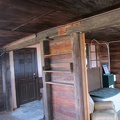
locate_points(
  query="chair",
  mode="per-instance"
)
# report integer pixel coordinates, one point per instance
(102, 110)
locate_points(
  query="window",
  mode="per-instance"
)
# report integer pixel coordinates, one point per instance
(92, 56)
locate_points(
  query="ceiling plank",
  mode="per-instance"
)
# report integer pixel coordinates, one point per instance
(22, 5)
(57, 5)
(10, 33)
(39, 16)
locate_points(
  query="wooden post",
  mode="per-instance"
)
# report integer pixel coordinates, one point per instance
(46, 88)
(80, 77)
(4, 81)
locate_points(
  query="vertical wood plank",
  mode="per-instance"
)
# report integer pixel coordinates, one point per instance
(84, 77)
(80, 77)
(4, 80)
(8, 83)
(46, 88)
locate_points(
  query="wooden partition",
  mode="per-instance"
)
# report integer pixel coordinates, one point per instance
(104, 58)
(115, 61)
(5, 85)
(115, 57)
(63, 93)
(1, 88)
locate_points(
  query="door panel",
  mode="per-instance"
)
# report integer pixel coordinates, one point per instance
(25, 69)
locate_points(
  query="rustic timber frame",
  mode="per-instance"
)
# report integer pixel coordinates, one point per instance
(79, 67)
(80, 77)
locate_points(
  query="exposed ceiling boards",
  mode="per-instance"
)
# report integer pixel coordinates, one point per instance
(20, 18)
(105, 34)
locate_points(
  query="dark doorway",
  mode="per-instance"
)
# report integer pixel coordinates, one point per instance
(26, 75)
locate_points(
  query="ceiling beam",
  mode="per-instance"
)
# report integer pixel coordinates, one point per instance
(96, 22)
(104, 20)
(21, 43)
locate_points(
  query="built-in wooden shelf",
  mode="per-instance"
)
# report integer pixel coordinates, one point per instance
(46, 69)
(60, 83)
(59, 71)
(50, 55)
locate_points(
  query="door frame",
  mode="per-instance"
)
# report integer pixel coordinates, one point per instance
(13, 100)
(36, 71)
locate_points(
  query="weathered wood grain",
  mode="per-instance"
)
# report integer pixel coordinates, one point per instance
(105, 20)
(59, 53)
(46, 88)
(80, 77)
(63, 102)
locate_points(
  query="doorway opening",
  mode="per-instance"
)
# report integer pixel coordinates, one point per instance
(28, 80)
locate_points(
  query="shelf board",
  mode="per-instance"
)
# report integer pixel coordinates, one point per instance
(50, 55)
(60, 83)
(59, 71)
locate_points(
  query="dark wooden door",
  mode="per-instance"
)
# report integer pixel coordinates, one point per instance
(26, 75)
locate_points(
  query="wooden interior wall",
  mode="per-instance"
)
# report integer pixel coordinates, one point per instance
(1, 88)
(103, 54)
(59, 78)
(6, 81)
(115, 61)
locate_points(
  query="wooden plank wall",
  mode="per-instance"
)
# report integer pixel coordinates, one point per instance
(115, 61)
(103, 54)
(1, 89)
(62, 96)
(59, 76)
(6, 84)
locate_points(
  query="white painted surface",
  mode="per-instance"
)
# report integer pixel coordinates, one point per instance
(13, 98)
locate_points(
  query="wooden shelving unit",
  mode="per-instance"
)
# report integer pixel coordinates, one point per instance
(47, 56)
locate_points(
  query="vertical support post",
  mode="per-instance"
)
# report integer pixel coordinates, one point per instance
(13, 99)
(46, 88)
(4, 80)
(80, 77)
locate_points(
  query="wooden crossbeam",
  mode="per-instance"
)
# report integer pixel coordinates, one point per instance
(21, 43)
(96, 22)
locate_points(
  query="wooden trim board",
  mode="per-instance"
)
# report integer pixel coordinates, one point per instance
(80, 77)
